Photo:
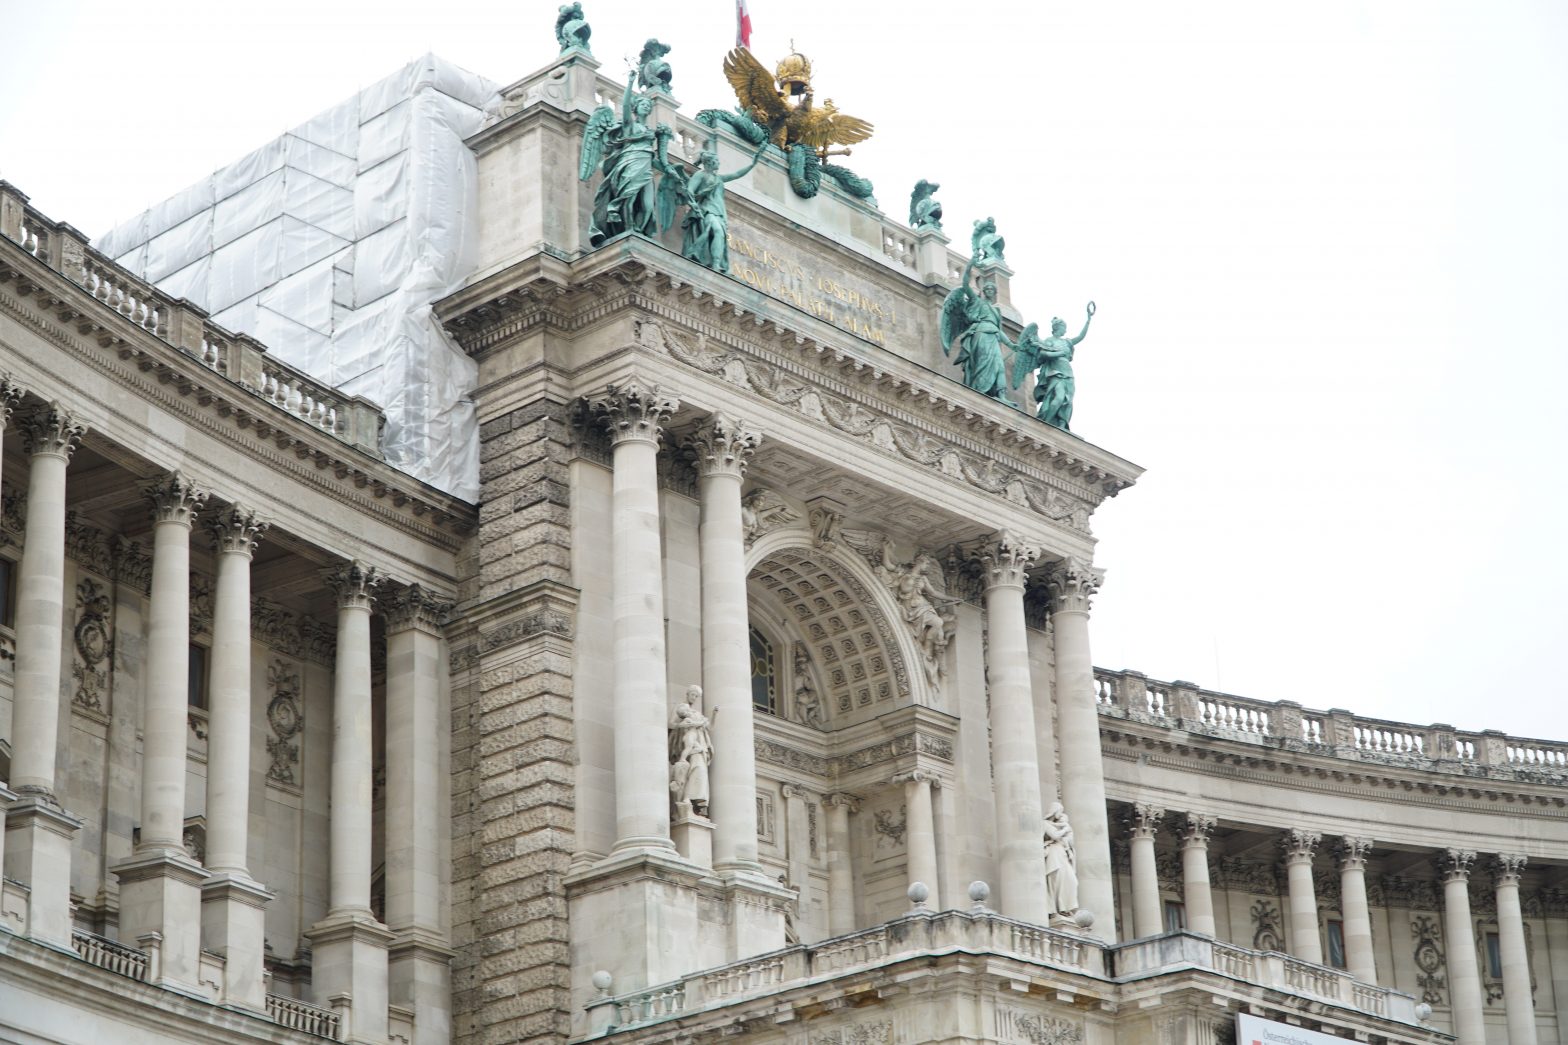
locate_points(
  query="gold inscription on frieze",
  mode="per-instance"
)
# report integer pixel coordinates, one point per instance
(825, 298)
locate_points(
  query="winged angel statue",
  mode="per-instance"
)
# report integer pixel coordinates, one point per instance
(974, 322)
(781, 107)
(628, 151)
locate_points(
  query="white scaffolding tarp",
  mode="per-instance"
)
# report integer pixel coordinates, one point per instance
(329, 245)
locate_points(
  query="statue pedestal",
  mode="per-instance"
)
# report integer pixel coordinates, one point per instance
(693, 837)
(1002, 276)
(931, 258)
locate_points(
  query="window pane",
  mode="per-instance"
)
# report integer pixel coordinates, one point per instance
(1336, 944)
(5, 593)
(1494, 956)
(763, 680)
(198, 677)
(1175, 916)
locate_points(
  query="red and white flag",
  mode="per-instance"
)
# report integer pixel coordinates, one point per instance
(742, 25)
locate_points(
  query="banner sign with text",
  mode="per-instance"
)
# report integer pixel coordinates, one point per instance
(1251, 1030)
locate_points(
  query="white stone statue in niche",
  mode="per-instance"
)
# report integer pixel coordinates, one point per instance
(1061, 865)
(691, 751)
(809, 709)
(925, 607)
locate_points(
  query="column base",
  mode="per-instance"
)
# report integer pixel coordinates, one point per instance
(419, 978)
(349, 960)
(38, 854)
(233, 924)
(160, 892)
(757, 906)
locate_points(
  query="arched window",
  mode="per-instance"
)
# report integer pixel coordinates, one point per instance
(764, 674)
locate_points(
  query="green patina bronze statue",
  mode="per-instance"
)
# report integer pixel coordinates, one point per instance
(924, 211)
(571, 29)
(705, 230)
(629, 149)
(986, 245)
(653, 72)
(1053, 357)
(974, 322)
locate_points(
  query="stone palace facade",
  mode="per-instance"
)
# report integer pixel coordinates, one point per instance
(298, 747)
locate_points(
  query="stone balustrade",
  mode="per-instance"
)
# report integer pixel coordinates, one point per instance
(296, 1015)
(107, 954)
(185, 327)
(1289, 726)
(924, 934)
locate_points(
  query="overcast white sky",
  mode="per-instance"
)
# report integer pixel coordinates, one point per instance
(1327, 241)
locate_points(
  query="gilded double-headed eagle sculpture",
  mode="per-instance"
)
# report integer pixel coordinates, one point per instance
(780, 107)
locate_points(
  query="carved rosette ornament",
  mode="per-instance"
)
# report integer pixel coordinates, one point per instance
(235, 529)
(175, 498)
(416, 606)
(722, 445)
(354, 584)
(1073, 583)
(1195, 831)
(1352, 853)
(1006, 560)
(1507, 868)
(633, 411)
(1454, 864)
(52, 430)
(10, 398)
(1143, 820)
(1299, 845)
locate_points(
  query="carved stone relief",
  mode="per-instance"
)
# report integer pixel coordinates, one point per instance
(285, 716)
(92, 645)
(1036, 1028)
(763, 511)
(1429, 958)
(875, 1032)
(1268, 933)
(890, 825)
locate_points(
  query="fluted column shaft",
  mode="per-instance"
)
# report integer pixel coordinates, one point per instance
(166, 711)
(841, 875)
(920, 830)
(1197, 894)
(1146, 915)
(721, 447)
(50, 437)
(229, 705)
(1517, 998)
(1072, 584)
(1359, 958)
(1464, 977)
(1015, 766)
(633, 415)
(352, 770)
(1304, 942)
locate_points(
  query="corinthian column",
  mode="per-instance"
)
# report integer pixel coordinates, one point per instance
(722, 447)
(232, 902)
(38, 831)
(841, 873)
(417, 731)
(1144, 822)
(350, 946)
(1015, 766)
(10, 398)
(1196, 893)
(1072, 584)
(633, 414)
(160, 885)
(920, 830)
(1352, 854)
(1517, 999)
(1464, 978)
(1299, 846)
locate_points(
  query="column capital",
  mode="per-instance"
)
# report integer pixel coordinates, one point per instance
(1143, 820)
(850, 803)
(916, 776)
(10, 398)
(1072, 583)
(175, 498)
(1006, 558)
(1195, 830)
(235, 529)
(633, 411)
(792, 790)
(722, 445)
(415, 606)
(52, 430)
(1299, 844)
(353, 583)
(1351, 853)
(1455, 864)
(1507, 867)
